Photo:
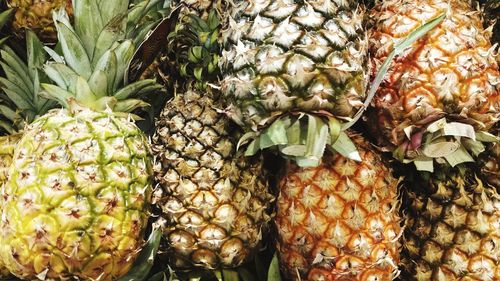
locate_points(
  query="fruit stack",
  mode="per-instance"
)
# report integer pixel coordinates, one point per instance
(250, 140)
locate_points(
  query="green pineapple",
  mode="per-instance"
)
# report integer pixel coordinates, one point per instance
(76, 201)
(213, 200)
(294, 71)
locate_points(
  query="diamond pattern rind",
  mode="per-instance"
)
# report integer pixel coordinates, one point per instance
(451, 71)
(215, 203)
(453, 229)
(76, 203)
(289, 55)
(339, 221)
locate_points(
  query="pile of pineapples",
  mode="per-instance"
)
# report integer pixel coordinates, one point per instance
(250, 140)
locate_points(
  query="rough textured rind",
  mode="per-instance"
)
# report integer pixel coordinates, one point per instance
(450, 72)
(215, 203)
(76, 202)
(453, 228)
(37, 16)
(339, 221)
(283, 56)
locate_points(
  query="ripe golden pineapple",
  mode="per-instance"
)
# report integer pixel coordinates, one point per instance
(453, 227)
(37, 16)
(285, 58)
(339, 221)
(450, 73)
(76, 201)
(214, 201)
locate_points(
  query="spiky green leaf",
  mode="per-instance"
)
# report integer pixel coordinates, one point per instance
(346, 147)
(74, 52)
(274, 270)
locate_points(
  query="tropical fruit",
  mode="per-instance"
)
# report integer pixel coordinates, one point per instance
(214, 201)
(452, 231)
(284, 59)
(442, 95)
(75, 204)
(37, 16)
(339, 221)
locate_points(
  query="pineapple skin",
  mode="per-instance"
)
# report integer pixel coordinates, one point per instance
(294, 56)
(76, 201)
(451, 72)
(453, 228)
(215, 202)
(37, 16)
(339, 221)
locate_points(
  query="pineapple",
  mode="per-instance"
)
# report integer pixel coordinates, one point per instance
(213, 200)
(37, 16)
(75, 204)
(452, 231)
(443, 94)
(339, 221)
(284, 59)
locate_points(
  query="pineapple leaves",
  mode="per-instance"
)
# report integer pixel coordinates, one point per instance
(398, 49)
(98, 83)
(108, 64)
(83, 92)
(452, 142)
(112, 33)
(62, 75)
(74, 52)
(274, 270)
(346, 147)
(88, 23)
(230, 275)
(302, 138)
(56, 93)
(5, 16)
(16, 70)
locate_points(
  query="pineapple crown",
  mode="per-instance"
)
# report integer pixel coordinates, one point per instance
(96, 54)
(22, 85)
(195, 46)
(20, 103)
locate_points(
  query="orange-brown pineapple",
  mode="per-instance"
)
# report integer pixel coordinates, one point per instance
(339, 221)
(451, 72)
